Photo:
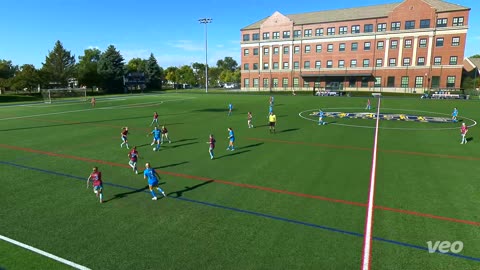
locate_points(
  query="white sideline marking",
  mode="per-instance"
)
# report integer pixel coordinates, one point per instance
(46, 254)
(367, 238)
(90, 109)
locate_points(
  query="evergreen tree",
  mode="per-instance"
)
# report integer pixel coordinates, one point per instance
(153, 73)
(111, 70)
(59, 65)
(87, 68)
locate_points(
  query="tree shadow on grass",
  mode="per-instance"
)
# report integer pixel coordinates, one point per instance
(212, 110)
(185, 140)
(171, 165)
(125, 194)
(180, 145)
(288, 130)
(179, 193)
(251, 145)
(233, 153)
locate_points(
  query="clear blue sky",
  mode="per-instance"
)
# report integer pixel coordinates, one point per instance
(168, 29)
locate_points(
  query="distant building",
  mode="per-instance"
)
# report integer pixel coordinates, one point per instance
(413, 45)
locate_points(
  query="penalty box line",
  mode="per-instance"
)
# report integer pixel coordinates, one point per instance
(44, 253)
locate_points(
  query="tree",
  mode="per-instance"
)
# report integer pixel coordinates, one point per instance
(7, 71)
(475, 56)
(87, 68)
(153, 73)
(186, 75)
(26, 78)
(199, 71)
(136, 65)
(110, 68)
(214, 76)
(59, 65)
(228, 63)
(171, 74)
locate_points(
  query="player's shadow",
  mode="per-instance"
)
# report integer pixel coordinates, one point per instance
(186, 140)
(172, 165)
(142, 145)
(251, 145)
(288, 130)
(233, 153)
(180, 145)
(179, 193)
(469, 139)
(125, 194)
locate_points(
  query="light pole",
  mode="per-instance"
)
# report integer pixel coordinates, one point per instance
(206, 21)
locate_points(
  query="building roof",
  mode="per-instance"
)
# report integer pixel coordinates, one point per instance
(357, 13)
(475, 61)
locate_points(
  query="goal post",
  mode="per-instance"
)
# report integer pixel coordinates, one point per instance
(64, 95)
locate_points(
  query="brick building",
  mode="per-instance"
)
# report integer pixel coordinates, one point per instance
(409, 46)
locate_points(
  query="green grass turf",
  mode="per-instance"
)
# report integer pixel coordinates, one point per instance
(293, 175)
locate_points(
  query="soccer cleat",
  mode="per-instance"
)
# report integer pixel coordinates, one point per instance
(154, 198)
(164, 195)
(151, 143)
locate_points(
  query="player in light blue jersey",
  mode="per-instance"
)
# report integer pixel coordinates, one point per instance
(156, 138)
(152, 177)
(231, 138)
(454, 115)
(321, 114)
(230, 109)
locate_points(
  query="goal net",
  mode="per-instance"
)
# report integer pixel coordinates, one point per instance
(64, 95)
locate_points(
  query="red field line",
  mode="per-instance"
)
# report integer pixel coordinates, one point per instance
(367, 149)
(200, 178)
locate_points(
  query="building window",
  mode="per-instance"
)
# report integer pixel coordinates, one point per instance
(297, 33)
(307, 49)
(409, 25)
(442, 22)
(453, 60)
(458, 21)
(391, 81)
(368, 28)
(366, 46)
(266, 36)
(318, 48)
(246, 37)
(421, 61)
(392, 62)
(437, 60)
(366, 62)
(451, 81)
(380, 45)
(425, 23)
(265, 66)
(256, 36)
(276, 50)
(381, 27)
(353, 63)
(296, 65)
(255, 51)
(275, 82)
(276, 35)
(379, 62)
(275, 65)
(395, 26)
(378, 81)
(295, 82)
(393, 44)
(439, 42)
(306, 84)
(342, 30)
(319, 32)
(341, 63)
(406, 61)
(286, 34)
(404, 82)
(246, 67)
(285, 82)
(355, 29)
(341, 47)
(330, 31)
(422, 43)
(329, 64)
(246, 82)
(285, 65)
(266, 51)
(354, 46)
(246, 52)
(265, 83)
(318, 64)
(408, 43)
(307, 32)
(256, 82)
(455, 41)
(330, 48)
(418, 82)
(306, 64)
(296, 50)
(255, 66)
(286, 50)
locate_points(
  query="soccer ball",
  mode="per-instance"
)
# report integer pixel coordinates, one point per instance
(154, 149)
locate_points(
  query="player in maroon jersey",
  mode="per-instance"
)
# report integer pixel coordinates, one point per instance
(133, 155)
(93, 101)
(124, 135)
(211, 142)
(164, 131)
(155, 119)
(96, 177)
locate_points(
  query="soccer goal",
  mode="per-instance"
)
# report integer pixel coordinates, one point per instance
(64, 95)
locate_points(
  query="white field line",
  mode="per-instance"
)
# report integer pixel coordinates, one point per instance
(43, 253)
(367, 238)
(90, 109)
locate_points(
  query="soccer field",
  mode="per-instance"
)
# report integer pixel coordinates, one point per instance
(296, 199)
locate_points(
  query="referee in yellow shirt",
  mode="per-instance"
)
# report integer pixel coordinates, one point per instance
(272, 120)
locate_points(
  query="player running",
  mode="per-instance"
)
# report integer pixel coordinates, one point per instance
(155, 119)
(272, 121)
(165, 135)
(231, 138)
(271, 100)
(368, 107)
(230, 109)
(152, 177)
(463, 132)
(212, 142)
(96, 177)
(133, 155)
(124, 135)
(156, 138)
(249, 120)
(93, 101)
(321, 114)
(454, 115)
